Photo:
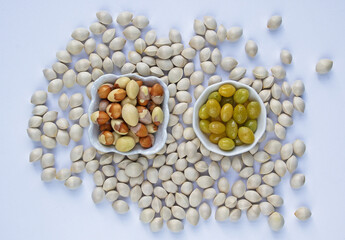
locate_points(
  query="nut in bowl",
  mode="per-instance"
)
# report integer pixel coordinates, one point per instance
(128, 114)
(229, 118)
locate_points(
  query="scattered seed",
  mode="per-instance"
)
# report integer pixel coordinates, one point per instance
(276, 221)
(274, 22)
(303, 213)
(323, 66)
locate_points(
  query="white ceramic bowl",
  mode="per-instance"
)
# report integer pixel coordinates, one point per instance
(160, 135)
(214, 147)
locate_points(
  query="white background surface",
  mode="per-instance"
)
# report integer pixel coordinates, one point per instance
(32, 31)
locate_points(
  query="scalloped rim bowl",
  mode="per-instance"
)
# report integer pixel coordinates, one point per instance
(214, 147)
(160, 135)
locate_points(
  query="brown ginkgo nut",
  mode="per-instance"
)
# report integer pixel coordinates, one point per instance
(117, 95)
(143, 95)
(140, 130)
(106, 138)
(144, 115)
(157, 90)
(145, 142)
(114, 110)
(104, 90)
(99, 117)
(119, 126)
(157, 93)
(105, 127)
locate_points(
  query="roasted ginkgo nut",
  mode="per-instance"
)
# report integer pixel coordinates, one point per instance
(114, 110)
(100, 117)
(104, 90)
(106, 138)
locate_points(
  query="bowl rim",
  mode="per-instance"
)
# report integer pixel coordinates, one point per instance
(202, 137)
(158, 145)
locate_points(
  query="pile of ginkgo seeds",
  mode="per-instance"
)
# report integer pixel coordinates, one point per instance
(183, 181)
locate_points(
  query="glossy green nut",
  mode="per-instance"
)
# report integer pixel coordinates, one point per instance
(213, 108)
(226, 100)
(214, 138)
(252, 124)
(227, 90)
(204, 124)
(226, 112)
(216, 96)
(246, 135)
(216, 127)
(231, 129)
(203, 113)
(226, 144)
(240, 114)
(241, 95)
(253, 109)
(238, 142)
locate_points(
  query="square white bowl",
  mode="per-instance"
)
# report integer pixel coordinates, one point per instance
(203, 137)
(160, 135)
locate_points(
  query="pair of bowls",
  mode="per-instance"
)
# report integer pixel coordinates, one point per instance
(161, 134)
